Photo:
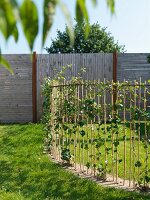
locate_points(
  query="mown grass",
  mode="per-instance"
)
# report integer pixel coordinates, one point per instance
(28, 174)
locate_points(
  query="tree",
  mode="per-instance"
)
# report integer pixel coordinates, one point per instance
(12, 13)
(98, 40)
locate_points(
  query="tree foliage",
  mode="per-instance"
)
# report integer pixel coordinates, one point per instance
(98, 40)
(12, 13)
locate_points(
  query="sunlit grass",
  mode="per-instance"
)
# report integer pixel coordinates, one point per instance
(28, 174)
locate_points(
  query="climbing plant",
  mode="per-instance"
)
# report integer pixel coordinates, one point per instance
(97, 125)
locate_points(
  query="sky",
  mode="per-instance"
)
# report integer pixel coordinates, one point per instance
(130, 25)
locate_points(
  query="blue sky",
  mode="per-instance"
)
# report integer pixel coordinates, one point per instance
(130, 25)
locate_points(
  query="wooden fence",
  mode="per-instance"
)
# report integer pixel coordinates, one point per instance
(21, 96)
(109, 140)
(98, 66)
(16, 90)
(132, 66)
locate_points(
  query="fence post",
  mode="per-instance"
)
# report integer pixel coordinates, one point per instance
(115, 88)
(115, 66)
(34, 88)
(114, 77)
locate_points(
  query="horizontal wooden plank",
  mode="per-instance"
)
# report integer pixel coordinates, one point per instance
(16, 90)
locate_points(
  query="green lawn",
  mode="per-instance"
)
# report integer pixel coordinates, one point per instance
(28, 174)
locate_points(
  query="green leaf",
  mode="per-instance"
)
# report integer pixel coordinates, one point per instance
(5, 63)
(116, 143)
(16, 34)
(3, 24)
(29, 20)
(147, 179)
(67, 15)
(138, 164)
(57, 126)
(14, 3)
(111, 5)
(7, 17)
(79, 14)
(94, 2)
(82, 123)
(48, 12)
(94, 165)
(66, 154)
(88, 165)
(65, 127)
(82, 15)
(82, 133)
(81, 11)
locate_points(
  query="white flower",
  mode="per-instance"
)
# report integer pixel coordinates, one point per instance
(106, 161)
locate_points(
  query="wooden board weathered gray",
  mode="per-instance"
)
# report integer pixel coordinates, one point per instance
(132, 66)
(16, 90)
(98, 66)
